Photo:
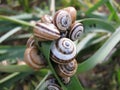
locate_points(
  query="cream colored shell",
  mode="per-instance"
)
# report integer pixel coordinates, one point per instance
(62, 20)
(67, 70)
(75, 31)
(63, 51)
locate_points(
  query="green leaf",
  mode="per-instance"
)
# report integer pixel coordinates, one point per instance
(101, 54)
(98, 4)
(15, 68)
(17, 51)
(91, 24)
(8, 34)
(16, 21)
(11, 79)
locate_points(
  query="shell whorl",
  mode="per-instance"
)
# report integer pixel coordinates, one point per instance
(63, 50)
(72, 11)
(75, 31)
(67, 70)
(62, 20)
(33, 59)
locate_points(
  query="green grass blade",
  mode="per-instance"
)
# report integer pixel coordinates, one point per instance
(11, 79)
(15, 68)
(16, 20)
(113, 11)
(91, 24)
(101, 54)
(98, 4)
(8, 34)
(17, 51)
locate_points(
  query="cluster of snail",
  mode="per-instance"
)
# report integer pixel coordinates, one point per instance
(62, 30)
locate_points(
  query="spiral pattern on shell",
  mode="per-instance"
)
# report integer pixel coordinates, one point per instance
(75, 31)
(62, 20)
(33, 59)
(63, 51)
(67, 70)
(72, 11)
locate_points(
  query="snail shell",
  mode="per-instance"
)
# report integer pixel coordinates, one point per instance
(46, 32)
(72, 11)
(63, 51)
(67, 70)
(32, 56)
(53, 87)
(62, 20)
(30, 41)
(46, 19)
(51, 84)
(75, 31)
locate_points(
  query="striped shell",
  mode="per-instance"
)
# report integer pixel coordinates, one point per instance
(33, 59)
(75, 31)
(63, 51)
(51, 84)
(67, 70)
(45, 32)
(72, 11)
(46, 19)
(62, 20)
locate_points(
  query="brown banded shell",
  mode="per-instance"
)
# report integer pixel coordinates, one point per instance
(46, 19)
(62, 20)
(63, 51)
(30, 41)
(53, 87)
(45, 32)
(75, 31)
(72, 11)
(51, 84)
(33, 59)
(67, 70)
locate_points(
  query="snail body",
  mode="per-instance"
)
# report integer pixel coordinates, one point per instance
(63, 51)
(45, 32)
(62, 20)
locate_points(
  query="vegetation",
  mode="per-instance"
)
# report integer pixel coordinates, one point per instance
(98, 50)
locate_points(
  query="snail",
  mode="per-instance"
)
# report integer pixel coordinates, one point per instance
(62, 51)
(32, 56)
(67, 70)
(72, 11)
(51, 84)
(46, 19)
(62, 20)
(53, 87)
(75, 31)
(46, 31)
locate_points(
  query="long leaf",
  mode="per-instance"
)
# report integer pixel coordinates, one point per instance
(91, 24)
(101, 54)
